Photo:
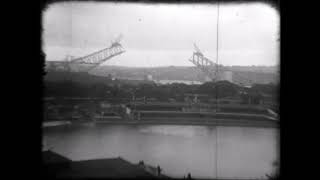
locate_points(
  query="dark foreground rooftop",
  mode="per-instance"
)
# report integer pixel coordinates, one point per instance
(49, 158)
(59, 167)
(56, 166)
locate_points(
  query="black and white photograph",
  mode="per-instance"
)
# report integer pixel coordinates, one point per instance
(161, 90)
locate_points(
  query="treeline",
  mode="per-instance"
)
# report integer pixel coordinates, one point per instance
(177, 91)
(75, 89)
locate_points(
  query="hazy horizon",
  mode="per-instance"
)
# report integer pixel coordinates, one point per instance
(163, 35)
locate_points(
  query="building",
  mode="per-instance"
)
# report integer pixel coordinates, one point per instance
(57, 166)
(223, 76)
(226, 76)
(207, 79)
(54, 163)
(177, 81)
(148, 77)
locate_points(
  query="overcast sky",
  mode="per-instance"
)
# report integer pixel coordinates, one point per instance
(163, 35)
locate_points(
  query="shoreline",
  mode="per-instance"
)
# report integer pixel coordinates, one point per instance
(55, 123)
(176, 121)
(193, 123)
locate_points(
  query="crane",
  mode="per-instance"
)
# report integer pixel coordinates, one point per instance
(210, 68)
(94, 59)
(98, 57)
(203, 63)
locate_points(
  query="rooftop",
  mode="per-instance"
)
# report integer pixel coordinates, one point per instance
(97, 168)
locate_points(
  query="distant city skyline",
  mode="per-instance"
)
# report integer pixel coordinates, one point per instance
(163, 35)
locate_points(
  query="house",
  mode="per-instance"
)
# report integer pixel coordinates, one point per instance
(57, 166)
(54, 163)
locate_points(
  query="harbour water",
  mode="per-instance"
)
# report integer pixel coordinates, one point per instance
(203, 151)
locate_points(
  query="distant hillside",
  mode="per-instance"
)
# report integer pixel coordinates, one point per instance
(158, 73)
(85, 78)
(245, 75)
(260, 69)
(241, 74)
(80, 77)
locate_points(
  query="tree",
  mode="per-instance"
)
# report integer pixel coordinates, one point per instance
(220, 89)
